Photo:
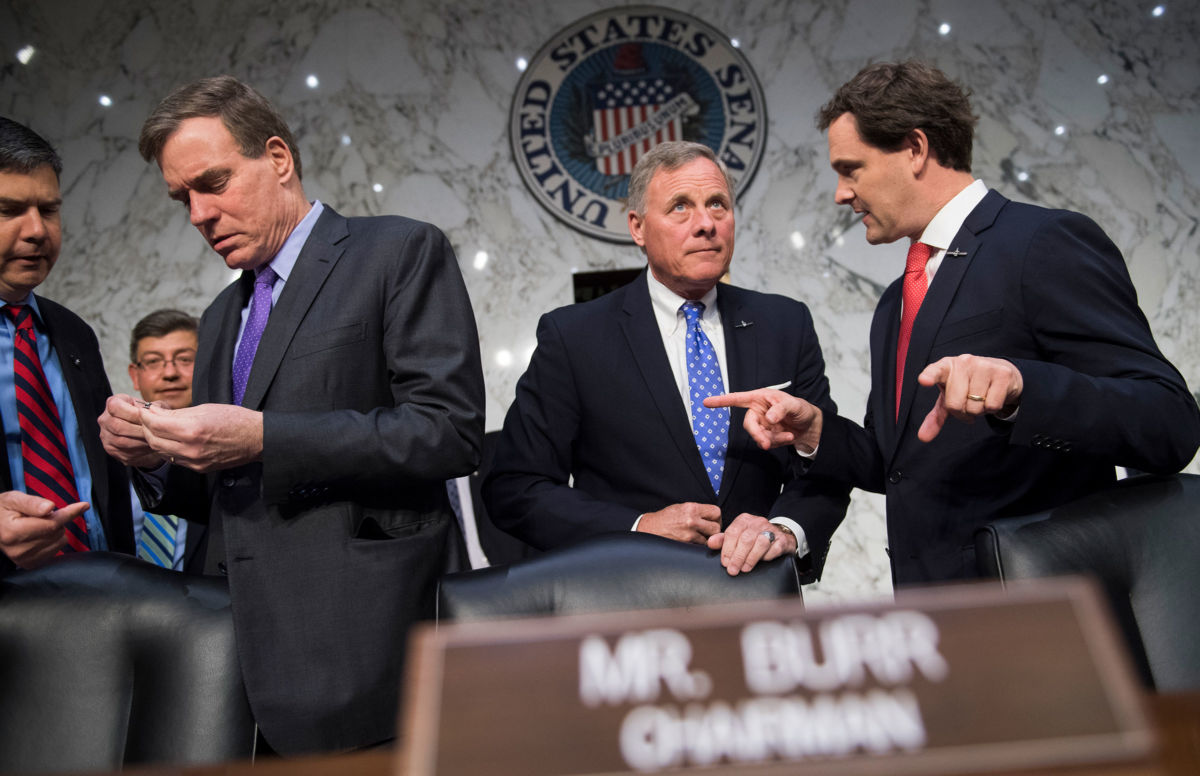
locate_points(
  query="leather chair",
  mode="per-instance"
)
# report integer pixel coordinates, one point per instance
(107, 661)
(1141, 541)
(613, 572)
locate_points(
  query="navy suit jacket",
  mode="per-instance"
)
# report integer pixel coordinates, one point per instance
(370, 384)
(1047, 290)
(599, 405)
(83, 371)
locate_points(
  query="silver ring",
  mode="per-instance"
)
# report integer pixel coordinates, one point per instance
(974, 397)
(770, 536)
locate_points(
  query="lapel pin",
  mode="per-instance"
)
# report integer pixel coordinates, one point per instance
(956, 252)
(743, 324)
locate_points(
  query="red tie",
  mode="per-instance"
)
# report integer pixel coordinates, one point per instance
(47, 464)
(915, 284)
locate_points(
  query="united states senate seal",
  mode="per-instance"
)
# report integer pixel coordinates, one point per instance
(608, 88)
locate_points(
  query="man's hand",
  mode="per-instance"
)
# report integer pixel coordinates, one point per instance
(207, 437)
(122, 435)
(775, 418)
(745, 542)
(688, 522)
(969, 386)
(31, 529)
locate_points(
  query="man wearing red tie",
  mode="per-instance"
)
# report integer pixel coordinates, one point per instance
(62, 494)
(1011, 367)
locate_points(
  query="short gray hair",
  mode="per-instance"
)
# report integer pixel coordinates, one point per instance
(670, 155)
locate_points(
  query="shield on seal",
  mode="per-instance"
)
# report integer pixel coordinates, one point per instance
(633, 112)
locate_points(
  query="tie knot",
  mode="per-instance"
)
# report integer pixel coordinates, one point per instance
(918, 257)
(692, 311)
(266, 277)
(20, 315)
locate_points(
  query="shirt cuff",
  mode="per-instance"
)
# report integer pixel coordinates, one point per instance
(807, 456)
(637, 522)
(797, 531)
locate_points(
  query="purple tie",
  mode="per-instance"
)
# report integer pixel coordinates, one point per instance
(260, 308)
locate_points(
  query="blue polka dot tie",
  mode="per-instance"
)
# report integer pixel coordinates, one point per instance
(710, 426)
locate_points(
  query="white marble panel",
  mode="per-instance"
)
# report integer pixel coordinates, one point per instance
(413, 98)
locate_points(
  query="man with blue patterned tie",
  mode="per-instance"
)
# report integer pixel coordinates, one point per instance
(608, 431)
(61, 493)
(162, 352)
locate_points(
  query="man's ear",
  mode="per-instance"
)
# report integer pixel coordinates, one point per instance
(134, 374)
(917, 144)
(280, 157)
(635, 229)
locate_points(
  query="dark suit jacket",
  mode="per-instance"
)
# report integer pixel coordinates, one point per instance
(370, 384)
(599, 404)
(83, 371)
(1047, 290)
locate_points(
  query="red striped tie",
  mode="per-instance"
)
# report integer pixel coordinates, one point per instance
(48, 471)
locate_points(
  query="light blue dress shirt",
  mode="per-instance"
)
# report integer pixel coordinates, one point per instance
(66, 413)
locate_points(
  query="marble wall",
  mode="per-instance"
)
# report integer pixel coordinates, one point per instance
(409, 115)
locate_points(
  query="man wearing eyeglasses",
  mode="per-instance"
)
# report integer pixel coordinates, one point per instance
(162, 350)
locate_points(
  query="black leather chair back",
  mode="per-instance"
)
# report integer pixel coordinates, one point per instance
(1141, 540)
(106, 661)
(613, 572)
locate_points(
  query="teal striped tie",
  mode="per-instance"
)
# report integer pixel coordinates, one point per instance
(157, 544)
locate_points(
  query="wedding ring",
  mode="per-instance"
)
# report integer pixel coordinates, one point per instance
(973, 397)
(172, 459)
(770, 536)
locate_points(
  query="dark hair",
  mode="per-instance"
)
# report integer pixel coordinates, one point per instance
(670, 155)
(889, 100)
(248, 116)
(160, 323)
(22, 150)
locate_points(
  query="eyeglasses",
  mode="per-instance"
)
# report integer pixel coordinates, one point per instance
(182, 361)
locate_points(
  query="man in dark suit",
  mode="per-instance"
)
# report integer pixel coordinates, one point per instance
(51, 393)
(162, 353)
(1028, 373)
(337, 387)
(612, 401)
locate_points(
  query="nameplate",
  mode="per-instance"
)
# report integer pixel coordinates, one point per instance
(962, 679)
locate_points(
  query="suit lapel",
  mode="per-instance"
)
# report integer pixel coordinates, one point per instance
(940, 295)
(218, 336)
(640, 328)
(741, 360)
(316, 260)
(885, 332)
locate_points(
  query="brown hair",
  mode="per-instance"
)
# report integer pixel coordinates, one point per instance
(248, 116)
(889, 100)
(160, 323)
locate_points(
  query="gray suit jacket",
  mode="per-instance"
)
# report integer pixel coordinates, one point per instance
(370, 384)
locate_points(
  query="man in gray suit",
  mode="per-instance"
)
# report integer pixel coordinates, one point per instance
(337, 387)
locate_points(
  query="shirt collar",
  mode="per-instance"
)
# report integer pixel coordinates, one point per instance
(941, 230)
(666, 304)
(31, 301)
(285, 260)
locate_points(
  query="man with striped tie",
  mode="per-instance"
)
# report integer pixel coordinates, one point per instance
(162, 352)
(59, 492)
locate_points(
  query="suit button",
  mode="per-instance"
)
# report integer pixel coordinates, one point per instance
(221, 568)
(229, 480)
(895, 477)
